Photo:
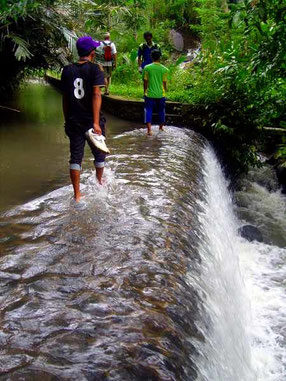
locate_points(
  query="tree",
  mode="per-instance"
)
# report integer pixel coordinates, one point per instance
(33, 36)
(243, 66)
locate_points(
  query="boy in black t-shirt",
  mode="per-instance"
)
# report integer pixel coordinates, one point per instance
(81, 84)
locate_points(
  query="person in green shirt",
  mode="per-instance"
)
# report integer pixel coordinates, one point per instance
(155, 87)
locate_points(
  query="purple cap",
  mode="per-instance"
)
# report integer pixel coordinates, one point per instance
(85, 45)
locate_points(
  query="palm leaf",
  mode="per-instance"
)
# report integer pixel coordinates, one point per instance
(71, 38)
(21, 47)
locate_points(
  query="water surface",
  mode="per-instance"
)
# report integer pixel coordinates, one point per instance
(147, 279)
(34, 150)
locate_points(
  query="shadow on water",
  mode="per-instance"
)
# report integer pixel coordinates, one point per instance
(99, 291)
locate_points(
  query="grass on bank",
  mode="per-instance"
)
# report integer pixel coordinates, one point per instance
(127, 82)
(128, 91)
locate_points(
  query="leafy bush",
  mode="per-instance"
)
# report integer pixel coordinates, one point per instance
(33, 37)
(240, 75)
(127, 69)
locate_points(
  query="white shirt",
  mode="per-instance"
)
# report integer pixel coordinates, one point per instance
(100, 52)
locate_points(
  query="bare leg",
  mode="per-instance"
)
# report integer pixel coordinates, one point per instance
(107, 83)
(99, 173)
(149, 132)
(161, 113)
(105, 86)
(75, 179)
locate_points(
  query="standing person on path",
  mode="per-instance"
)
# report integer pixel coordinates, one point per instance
(155, 87)
(145, 50)
(108, 55)
(81, 83)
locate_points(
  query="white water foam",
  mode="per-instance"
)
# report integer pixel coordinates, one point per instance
(242, 285)
(61, 199)
(264, 270)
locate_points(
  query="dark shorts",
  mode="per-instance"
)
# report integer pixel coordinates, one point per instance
(107, 71)
(76, 130)
(152, 104)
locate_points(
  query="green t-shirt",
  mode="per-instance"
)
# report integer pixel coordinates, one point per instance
(155, 74)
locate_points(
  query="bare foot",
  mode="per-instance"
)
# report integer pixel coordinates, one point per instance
(161, 129)
(149, 133)
(79, 197)
(101, 181)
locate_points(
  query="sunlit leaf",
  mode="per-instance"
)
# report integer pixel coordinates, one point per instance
(21, 47)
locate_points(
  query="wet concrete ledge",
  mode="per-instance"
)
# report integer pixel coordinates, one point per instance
(133, 109)
(177, 114)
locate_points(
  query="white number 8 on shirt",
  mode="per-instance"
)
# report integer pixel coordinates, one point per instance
(78, 88)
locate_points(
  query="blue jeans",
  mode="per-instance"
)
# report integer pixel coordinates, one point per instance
(157, 103)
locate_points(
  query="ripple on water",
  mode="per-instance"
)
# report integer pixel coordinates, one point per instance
(100, 292)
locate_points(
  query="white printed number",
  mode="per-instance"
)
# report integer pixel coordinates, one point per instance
(78, 88)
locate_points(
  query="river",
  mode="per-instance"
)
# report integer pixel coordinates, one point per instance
(148, 279)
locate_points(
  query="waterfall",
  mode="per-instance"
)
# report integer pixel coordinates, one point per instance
(149, 280)
(242, 300)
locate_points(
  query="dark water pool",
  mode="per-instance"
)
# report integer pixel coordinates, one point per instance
(34, 150)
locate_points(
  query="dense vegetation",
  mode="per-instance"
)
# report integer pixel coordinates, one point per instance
(238, 76)
(243, 82)
(32, 38)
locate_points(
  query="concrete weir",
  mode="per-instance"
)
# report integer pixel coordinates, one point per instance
(177, 114)
(133, 109)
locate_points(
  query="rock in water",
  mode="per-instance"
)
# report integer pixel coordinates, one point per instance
(281, 175)
(251, 233)
(176, 40)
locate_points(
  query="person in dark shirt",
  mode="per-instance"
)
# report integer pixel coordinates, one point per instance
(81, 83)
(145, 50)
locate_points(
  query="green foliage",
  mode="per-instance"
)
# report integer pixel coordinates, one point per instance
(127, 81)
(240, 75)
(21, 47)
(12, 11)
(213, 26)
(127, 91)
(127, 70)
(281, 152)
(32, 37)
(180, 12)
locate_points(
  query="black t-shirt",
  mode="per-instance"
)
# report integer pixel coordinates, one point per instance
(77, 83)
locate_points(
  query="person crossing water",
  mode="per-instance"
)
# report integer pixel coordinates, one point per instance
(155, 87)
(81, 83)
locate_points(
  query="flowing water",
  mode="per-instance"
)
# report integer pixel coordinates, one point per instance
(147, 279)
